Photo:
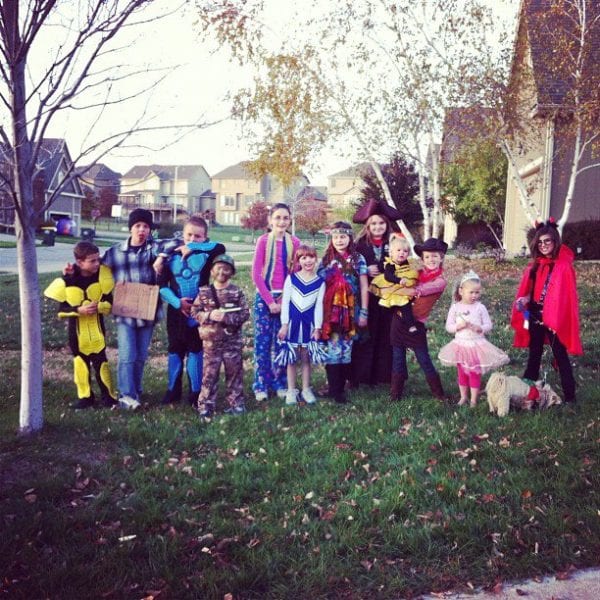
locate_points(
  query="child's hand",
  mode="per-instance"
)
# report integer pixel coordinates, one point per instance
(362, 321)
(216, 315)
(69, 269)
(88, 309)
(373, 270)
(158, 264)
(403, 281)
(283, 333)
(186, 306)
(184, 250)
(316, 334)
(522, 303)
(275, 308)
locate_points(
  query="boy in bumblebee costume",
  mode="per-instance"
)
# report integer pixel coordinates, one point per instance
(85, 296)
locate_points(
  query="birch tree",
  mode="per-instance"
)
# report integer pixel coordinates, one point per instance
(376, 75)
(57, 59)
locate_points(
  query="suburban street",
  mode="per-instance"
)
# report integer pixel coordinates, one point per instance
(52, 259)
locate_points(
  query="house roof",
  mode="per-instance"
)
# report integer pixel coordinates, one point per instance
(551, 36)
(314, 192)
(163, 171)
(357, 170)
(90, 173)
(464, 125)
(237, 171)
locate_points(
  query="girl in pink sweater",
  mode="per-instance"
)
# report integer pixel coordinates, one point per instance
(272, 263)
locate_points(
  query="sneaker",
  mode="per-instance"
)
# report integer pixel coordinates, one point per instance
(83, 403)
(291, 397)
(235, 410)
(129, 403)
(261, 396)
(308, 396)
(207, 412)
(282, 393)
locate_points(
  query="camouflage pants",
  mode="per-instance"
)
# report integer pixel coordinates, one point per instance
(229, 353)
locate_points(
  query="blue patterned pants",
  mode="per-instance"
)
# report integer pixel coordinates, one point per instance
(267, 375)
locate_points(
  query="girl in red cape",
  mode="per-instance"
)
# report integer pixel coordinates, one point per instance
(546, 308)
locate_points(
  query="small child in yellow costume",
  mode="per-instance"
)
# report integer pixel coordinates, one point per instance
(85, 296)
(397, 274)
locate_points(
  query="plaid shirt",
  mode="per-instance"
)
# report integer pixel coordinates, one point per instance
(135, 265)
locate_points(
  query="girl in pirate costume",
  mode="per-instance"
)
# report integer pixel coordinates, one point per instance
(372, 352)
(546, 308)
(271, 265)
(345, 305)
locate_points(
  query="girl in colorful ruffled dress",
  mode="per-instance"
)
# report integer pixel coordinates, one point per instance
(472, 354)
(345, 306)
(301, 320)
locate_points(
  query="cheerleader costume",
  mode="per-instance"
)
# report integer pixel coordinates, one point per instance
(302, 308)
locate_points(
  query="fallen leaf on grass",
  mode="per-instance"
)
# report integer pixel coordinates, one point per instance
(521, 592)
(526, 494)
(31, 498)
(127, 538)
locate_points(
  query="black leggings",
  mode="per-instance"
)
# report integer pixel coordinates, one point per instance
(537, 334)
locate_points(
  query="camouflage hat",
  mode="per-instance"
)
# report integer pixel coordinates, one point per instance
(224, 258)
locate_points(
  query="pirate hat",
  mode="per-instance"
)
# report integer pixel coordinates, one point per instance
(375, 207)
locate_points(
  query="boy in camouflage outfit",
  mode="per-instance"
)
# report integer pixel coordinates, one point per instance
(221, 309)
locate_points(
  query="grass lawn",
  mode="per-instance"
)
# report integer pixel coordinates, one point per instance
(370, 500)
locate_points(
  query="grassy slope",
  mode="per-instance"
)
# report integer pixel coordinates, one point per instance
(370, 500)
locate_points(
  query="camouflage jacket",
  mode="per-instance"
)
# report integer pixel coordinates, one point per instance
(231, 300)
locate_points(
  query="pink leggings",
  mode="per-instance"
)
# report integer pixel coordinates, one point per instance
(468, 379)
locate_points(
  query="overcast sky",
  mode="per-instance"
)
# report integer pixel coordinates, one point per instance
(198, 83)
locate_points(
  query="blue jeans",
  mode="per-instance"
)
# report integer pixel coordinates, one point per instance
(133, 345)
(423, 358)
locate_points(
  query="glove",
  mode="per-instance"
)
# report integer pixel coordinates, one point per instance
(389, 274)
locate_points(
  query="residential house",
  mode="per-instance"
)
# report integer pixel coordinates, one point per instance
(54, 166)
(345, 187)
(166, 190)
(97, 177)
(462, 127)
(236, 189)
(540, 79)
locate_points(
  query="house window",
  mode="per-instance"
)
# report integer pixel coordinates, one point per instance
(249, 200)
(227, 202)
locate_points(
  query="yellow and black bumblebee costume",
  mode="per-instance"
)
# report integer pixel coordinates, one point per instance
(86, 332)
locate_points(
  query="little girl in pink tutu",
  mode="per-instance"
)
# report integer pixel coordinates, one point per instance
(472, 354)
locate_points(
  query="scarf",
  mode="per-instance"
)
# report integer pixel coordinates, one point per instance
(541, 278)
(270, 257)
(426, 275)
(338, 306)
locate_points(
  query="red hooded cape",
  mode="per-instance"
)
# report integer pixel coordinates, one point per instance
(561, 307)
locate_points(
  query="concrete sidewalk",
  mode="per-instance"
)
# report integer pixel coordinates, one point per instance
(576, 585)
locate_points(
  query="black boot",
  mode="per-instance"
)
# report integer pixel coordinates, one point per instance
(435, 385)
(336, 381)
(397, 386)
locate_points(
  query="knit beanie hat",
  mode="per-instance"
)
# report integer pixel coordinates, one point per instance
(140, 215)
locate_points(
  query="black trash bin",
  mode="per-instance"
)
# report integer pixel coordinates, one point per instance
(48, 236)
(87, 233)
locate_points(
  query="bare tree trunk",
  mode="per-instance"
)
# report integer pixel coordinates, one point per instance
(31, 417)
(423, 205)
(524, 198)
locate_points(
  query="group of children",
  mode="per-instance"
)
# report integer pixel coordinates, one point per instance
(305, 311)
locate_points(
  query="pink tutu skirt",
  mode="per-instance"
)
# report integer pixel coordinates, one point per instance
(475, 355)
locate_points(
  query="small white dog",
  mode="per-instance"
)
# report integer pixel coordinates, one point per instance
(506, 391)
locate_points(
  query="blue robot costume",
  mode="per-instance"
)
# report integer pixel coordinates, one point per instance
(181, 278)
